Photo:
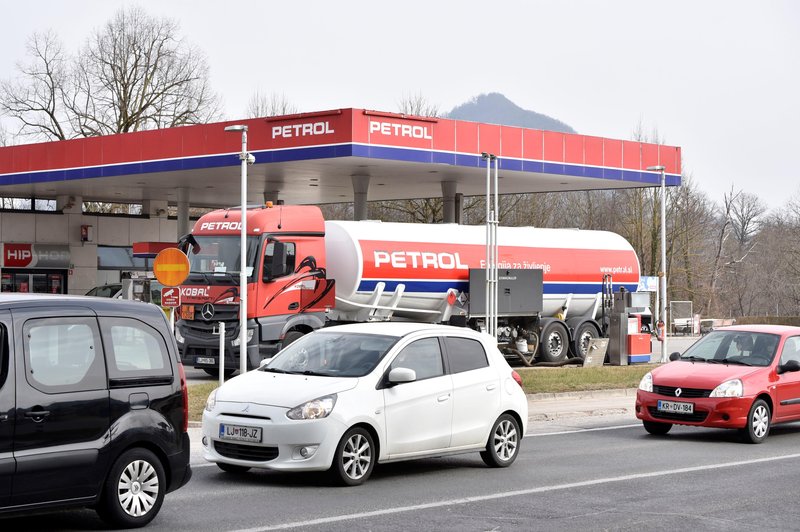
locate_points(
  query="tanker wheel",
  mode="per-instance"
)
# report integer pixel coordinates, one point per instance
(555, 343)
(585, 334)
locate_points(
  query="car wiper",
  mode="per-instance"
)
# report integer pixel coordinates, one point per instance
(315, 373)
(275, 370)
(738, 362)
(693, 358)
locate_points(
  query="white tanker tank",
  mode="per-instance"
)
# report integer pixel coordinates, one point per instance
(415, 270)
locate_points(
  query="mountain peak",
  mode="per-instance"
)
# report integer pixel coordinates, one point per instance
(494, 108)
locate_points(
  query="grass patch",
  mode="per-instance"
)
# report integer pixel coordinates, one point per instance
(578, 379)
(534, 380)
(198, 393)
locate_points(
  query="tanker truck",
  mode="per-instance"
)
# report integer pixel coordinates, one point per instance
(304, 273)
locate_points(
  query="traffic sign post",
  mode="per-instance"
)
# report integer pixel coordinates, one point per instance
(171, 267)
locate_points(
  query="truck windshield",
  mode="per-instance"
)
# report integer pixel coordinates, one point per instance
(220, 255)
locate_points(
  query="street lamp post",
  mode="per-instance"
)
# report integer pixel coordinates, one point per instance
(245, 158)
(662, 313)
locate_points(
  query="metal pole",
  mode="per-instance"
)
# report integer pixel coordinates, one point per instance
(221, 352)
(488, 302)
(664, 263)
(243, 264)
(495, 224)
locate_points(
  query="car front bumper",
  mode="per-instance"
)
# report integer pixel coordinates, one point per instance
(282, 439)
(719, 412)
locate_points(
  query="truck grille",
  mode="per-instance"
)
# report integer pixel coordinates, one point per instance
(686, 393)
(697, 417)
(226, 313)
(254, 453)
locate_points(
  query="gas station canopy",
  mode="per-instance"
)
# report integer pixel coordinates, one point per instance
(313, 158)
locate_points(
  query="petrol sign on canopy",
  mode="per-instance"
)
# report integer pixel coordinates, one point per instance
(171, 267)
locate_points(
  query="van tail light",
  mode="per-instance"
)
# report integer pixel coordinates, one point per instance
(516, 377)
(185, 393)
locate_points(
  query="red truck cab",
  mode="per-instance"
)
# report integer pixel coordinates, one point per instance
(287, 289)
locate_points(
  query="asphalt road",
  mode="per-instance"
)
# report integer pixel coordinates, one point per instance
(602, 473)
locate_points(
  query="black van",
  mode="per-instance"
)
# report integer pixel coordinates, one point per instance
(93, 407)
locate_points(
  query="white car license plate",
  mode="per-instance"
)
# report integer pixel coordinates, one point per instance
(674, 407)
(205, 360)
(239, 433)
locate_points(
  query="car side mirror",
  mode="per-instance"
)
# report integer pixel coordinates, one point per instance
(791, 365)
(401, 375)
(264, 362)
(674, 356)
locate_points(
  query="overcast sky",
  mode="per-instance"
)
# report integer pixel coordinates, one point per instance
(721, 79)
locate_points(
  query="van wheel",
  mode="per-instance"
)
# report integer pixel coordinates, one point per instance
(555, 343)
(134, 490)
(503, 445)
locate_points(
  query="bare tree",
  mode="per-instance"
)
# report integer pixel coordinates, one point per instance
(417, 105)
(134, 73)
(37, 100)
(261, 105)
(746, 214)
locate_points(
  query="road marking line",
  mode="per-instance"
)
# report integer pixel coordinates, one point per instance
(596, 429)
(515, 493)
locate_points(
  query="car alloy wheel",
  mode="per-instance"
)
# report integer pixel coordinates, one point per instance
(503, 445)
(355, 457)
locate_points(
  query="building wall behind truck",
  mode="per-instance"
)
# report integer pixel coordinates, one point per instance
(47, 228)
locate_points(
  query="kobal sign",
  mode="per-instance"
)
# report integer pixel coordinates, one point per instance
(35, 256)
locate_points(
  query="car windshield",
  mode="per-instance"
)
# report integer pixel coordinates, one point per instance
(332, 354)
(734, 347)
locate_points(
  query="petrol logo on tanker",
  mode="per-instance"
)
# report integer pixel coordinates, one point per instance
(440, 261)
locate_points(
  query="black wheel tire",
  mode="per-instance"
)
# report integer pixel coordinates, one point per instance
(758, 423)
(214, 372)
(134, 490)
(231, 468)
(502, 447)
(354, 459)
(656, 428)
(554, 345)
(290, 337)
(580, 345)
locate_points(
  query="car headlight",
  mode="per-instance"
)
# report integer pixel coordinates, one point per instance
(731, 388)
(235, 342)
(316, 409)
(178, 335)
(211, 402)
(646, 384)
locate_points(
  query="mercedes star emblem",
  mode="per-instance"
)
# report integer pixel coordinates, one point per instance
(678, 392)
(207, 311)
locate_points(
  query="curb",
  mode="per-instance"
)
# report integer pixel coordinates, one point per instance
(587, 394)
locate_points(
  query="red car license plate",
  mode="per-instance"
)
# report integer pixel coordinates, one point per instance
(674, 407)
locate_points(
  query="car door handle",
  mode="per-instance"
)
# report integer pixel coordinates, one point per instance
(37, 415)
(490, 387)
(443, 398)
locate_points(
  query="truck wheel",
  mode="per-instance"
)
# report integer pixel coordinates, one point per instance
(134, 490)
(555, 343)
(290, 337)
(585, 334)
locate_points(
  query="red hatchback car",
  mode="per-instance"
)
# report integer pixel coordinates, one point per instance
(744, 377)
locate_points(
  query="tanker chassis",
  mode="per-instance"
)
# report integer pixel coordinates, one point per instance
(305, 273)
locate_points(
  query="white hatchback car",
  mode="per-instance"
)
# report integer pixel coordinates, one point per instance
(346, 397)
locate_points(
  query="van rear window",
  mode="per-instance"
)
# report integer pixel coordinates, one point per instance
(134, 349)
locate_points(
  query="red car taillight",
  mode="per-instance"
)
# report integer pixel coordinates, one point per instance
(516, 377)
(185, 393)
